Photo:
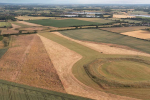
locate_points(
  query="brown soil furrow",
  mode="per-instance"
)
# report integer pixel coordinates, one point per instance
(63, 60)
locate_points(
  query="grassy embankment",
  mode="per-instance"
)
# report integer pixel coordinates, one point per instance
(90, 55)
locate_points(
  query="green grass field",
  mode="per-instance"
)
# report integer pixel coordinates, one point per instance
(90, 55)
(118, 73)
(124, 29)
(97, 35)
(62, 23)
(5, 25)
(14, 91)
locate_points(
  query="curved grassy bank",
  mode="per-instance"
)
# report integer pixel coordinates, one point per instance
(90, 55)
(120, 72)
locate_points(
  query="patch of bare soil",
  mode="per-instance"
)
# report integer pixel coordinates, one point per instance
(63, 60)
(27, 62)
(33, 28)
(9, 31)
(138, 34)
(106, 48)
(27, 23)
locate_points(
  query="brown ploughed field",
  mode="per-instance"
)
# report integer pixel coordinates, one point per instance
(27, 62)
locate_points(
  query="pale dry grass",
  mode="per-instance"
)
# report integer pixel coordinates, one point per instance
(106, 49)
(63, 60)
(123, 16)
(27, 23)
(138, 34)
(15, 26)
(31, 18)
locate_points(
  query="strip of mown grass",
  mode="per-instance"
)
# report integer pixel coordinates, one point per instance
(1, 38)
(14, 91)
(62, 23)
(89, 55)
(97, 35)
(5, 25)
(3, 51)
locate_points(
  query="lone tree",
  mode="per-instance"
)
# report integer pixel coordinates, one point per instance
(20, 31)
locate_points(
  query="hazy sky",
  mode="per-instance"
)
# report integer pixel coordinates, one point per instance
(79, 1)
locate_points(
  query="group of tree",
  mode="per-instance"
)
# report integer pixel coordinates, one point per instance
(7, 17)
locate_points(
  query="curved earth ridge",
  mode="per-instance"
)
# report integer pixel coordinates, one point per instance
(63, 60)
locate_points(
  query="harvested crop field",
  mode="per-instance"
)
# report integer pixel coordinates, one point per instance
(31, 18)
(27, 23)
(139, 34)
(123, 16)
(32, 28)
(15, 26)
(106, 48)
(9, 31)
(124, 29)
(27, 62)
(63, 60)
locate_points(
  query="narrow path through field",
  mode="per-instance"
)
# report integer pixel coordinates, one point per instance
(63, 60)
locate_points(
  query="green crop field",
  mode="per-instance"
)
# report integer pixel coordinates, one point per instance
(62, 23)
(90, 55)
(97, 35)
(5, 24)
(14, 91)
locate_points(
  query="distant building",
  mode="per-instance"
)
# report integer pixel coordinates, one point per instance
(99, 15)
(69, 15)
(82, 15)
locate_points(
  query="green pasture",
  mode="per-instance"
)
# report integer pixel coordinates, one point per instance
(120, 72)
(62, 23)
(97, 35)
(125, 29)
(5, 25)
(14, 91)
(88, 55)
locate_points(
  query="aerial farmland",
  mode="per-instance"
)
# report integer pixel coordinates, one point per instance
(74, 52)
